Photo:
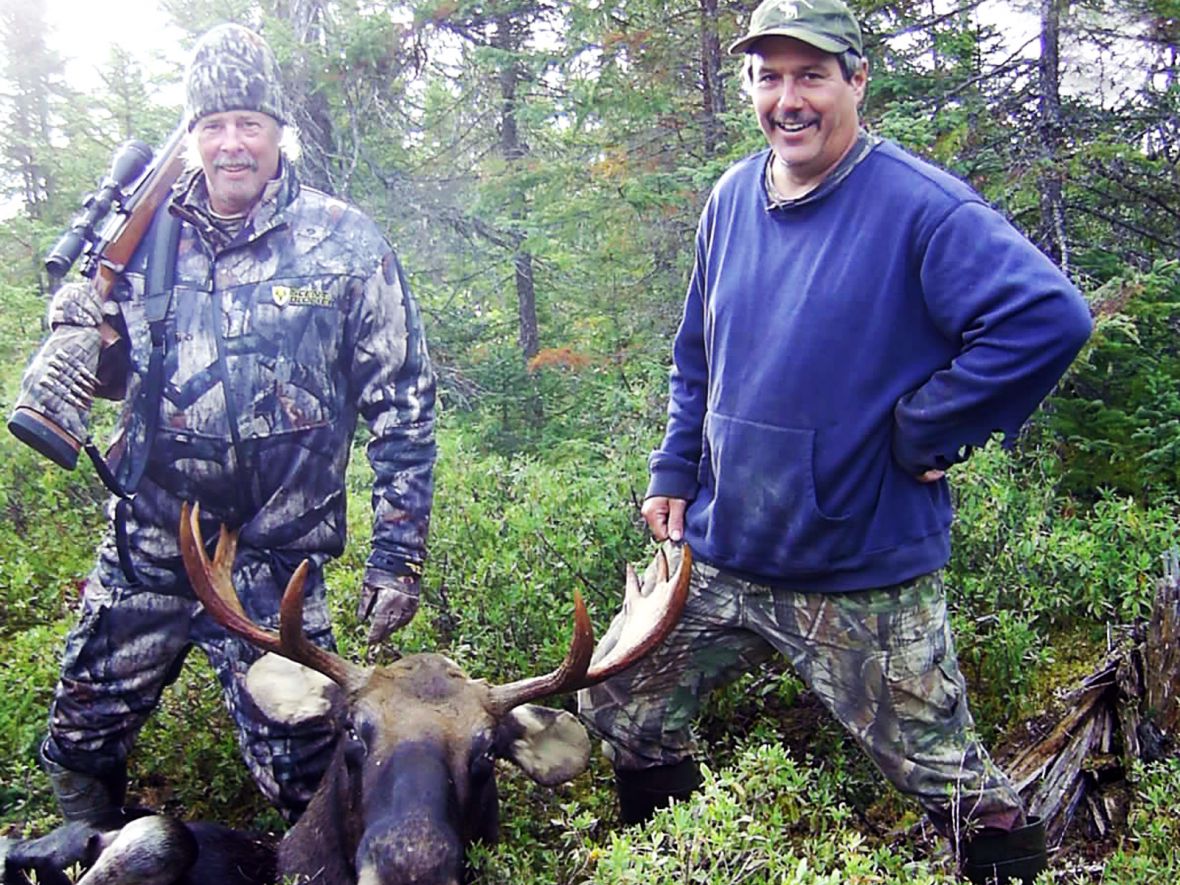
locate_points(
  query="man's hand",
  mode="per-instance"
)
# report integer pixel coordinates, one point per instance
(388, 607)
(931, 476)
(665, 517)
(77, 304)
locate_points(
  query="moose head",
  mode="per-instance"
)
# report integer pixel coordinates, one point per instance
(412, 781)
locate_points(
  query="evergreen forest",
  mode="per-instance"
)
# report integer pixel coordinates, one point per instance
(539, 166)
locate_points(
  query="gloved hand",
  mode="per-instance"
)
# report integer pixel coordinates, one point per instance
(78, 304)
(387, 603)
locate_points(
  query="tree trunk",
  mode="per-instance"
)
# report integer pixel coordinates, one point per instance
(1050, 126)
(512, 149)
(309, 106)
(526, 297)
(713, 92)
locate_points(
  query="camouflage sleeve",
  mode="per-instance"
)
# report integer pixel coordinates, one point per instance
(79, 305)
(393, 383)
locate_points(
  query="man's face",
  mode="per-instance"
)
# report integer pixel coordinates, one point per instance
(240, 153)
(807, 110)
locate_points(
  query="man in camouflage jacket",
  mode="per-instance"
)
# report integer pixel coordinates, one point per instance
(289, 317)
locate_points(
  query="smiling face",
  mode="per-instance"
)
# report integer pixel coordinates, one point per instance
(807, 110)
(240, 153)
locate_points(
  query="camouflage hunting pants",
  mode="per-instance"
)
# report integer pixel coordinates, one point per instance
(130, 643)
(882, 661)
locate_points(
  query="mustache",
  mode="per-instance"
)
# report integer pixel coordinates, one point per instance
(242, 159)
(793, 118)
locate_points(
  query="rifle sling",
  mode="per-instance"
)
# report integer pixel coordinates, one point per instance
(162, 242)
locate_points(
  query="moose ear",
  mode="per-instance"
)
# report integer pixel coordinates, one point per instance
(290, 692)
(550, 746)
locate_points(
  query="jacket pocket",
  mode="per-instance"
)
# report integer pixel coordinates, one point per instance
(758, 509)
(283, 368)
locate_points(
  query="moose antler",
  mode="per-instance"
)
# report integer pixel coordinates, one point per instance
(213, 584)
(648, 617)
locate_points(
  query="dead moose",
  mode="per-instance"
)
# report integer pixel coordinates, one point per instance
(412, 781)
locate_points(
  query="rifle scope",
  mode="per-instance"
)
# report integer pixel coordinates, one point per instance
(128, 164)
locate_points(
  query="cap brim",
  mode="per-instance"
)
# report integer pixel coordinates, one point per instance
(825, 44)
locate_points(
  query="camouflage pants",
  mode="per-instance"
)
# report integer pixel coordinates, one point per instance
(882, 661)
(130, 643)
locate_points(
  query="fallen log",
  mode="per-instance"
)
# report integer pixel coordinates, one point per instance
(1073, 761)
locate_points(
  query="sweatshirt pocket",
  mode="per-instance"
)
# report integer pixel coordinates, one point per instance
(758, 510)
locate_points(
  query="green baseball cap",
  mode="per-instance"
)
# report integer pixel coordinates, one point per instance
(824, 24)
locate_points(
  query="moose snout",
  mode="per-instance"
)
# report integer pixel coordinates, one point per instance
(410, 836)
(412, 851)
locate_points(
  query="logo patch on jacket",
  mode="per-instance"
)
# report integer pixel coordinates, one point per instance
(301, 296)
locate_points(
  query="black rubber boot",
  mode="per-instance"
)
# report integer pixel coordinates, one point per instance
(87, 797)
(998, 857)
(642, 791)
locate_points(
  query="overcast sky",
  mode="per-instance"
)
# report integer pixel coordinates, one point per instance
(84, 30)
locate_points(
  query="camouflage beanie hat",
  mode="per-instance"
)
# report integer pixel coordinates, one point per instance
(233, 69)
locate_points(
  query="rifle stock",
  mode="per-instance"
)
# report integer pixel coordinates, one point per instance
(53, 408)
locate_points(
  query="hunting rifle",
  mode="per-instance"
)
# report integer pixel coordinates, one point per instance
(53, 407)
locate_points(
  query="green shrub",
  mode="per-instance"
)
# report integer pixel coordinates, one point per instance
(26, 687)
(196, 772)
(766, 819)
(1021, 544)
(1029, 562)
(21, 319)
(1150, 850)
(512, 538)
(1119, 411)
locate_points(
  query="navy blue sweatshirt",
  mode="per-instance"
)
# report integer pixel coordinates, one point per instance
(832, 350)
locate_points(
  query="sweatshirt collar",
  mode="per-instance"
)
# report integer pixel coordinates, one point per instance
(865, 142)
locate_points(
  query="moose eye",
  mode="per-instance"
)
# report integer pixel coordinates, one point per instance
(355, 748)
(483, 756)
(482, 766)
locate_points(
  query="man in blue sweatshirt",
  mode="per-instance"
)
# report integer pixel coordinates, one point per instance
(856, 322)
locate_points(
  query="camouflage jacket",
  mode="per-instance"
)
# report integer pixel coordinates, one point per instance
(275, 341)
